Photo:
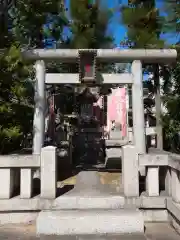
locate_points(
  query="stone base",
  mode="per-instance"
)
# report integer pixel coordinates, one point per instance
(83, 222)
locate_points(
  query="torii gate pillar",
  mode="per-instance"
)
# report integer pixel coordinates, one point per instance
(39, 110)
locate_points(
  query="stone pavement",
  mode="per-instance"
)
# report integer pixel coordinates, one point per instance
(154, 231)
(111, 179)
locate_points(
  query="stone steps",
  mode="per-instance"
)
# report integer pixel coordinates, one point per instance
(93, 237)
(90, 222)
(153, 231)
(89, 209)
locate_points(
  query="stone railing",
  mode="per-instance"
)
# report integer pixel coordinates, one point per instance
(16, 174)
(156, 160)
(162, 178)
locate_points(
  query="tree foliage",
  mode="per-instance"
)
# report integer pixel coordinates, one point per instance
(16, 100)
(172, 8)
(144, 24)
(30, 17)
(89, 25)
(171, 99)
(32, 24)
(22, 26)
(171, 96)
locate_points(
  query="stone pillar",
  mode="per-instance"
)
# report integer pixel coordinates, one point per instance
(7, 182)
(48, 172)
(175, 187)
(152, 181)
(138, 107)
(158, 106)
(168, 184)
(39, 110)
(26, 183)
(138, 110)
(130, 171)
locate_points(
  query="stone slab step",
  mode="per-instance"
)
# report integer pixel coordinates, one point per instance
(89, 222)
(114, 153)
(115, 143)
(76, 201)
(96, 237)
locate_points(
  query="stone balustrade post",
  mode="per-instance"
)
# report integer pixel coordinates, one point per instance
(48, 172)
(130, 171)
(26, 183)
(175, 187)
(7, 182)
(152, 181)
(168, 184)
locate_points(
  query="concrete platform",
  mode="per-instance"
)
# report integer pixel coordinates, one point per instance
(89, 222)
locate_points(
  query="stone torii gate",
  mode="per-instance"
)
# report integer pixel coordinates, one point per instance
(136, 56)
(99, 210)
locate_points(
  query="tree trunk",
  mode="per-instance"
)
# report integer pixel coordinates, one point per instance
(159, 130)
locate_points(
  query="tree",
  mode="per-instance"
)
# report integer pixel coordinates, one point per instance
(89, 25)
(172, 8)
(5, 21)
(15, 100)
(144, 26)
(171, 118)
(22, 26)
(36, 21)
(13, 91)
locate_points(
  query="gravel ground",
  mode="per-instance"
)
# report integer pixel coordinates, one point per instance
(154, 231)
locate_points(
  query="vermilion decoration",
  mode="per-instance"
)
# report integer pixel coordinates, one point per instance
(87, 68)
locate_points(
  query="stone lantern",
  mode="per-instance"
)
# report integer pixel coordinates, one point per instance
(85, 101)
(87, 140)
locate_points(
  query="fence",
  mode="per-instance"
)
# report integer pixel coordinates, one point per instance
(162, 179)
(16, 172)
